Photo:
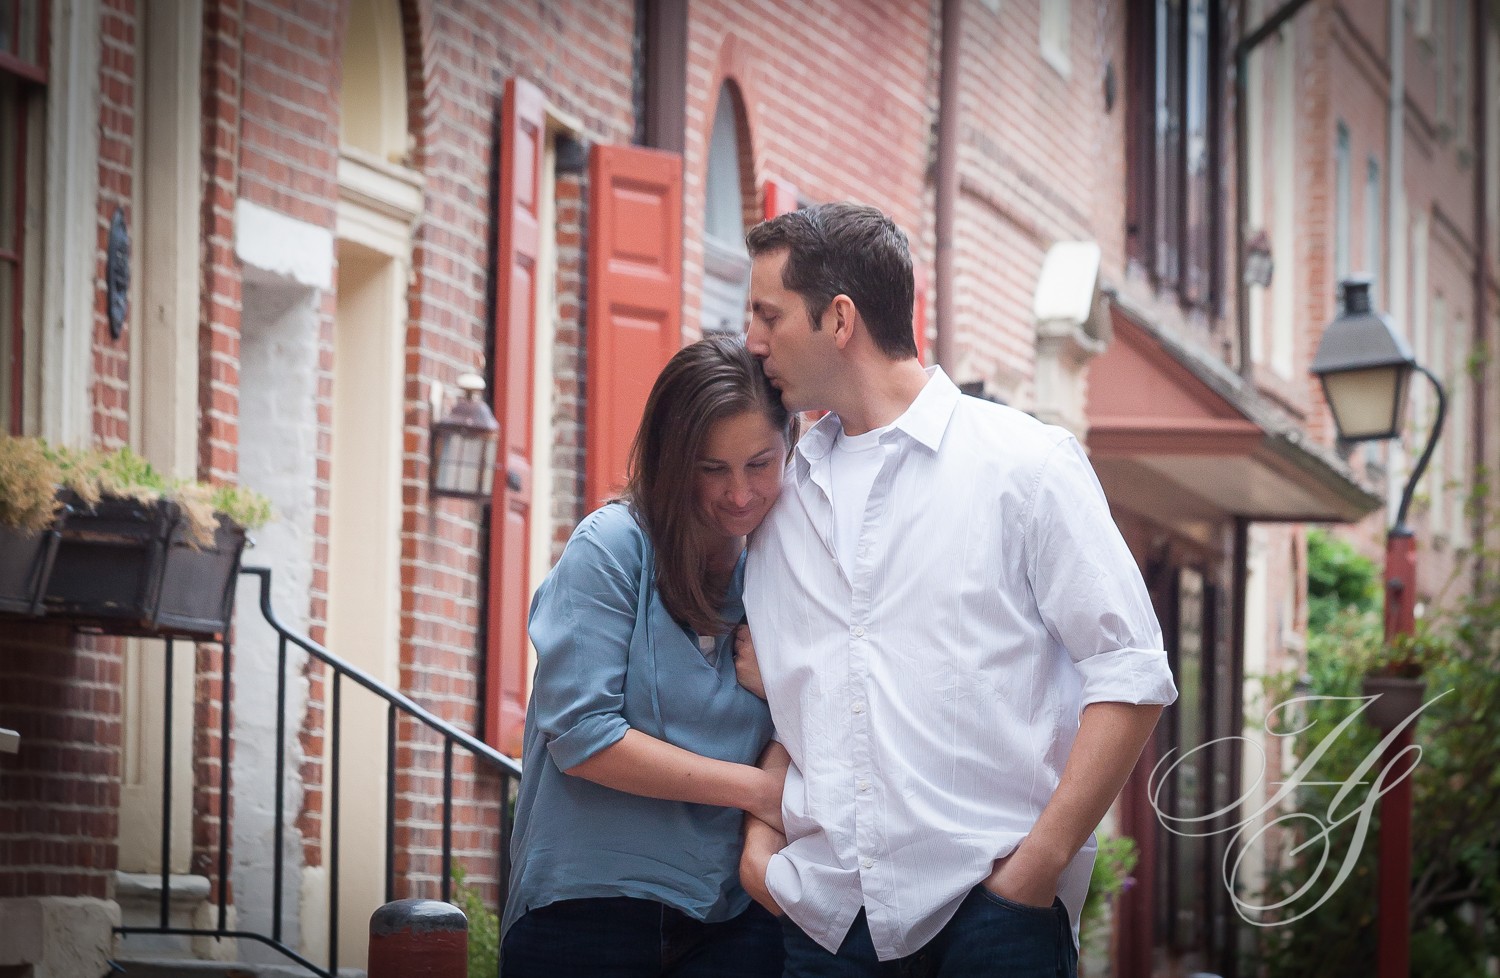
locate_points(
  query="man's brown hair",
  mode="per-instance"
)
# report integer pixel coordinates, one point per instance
(846, 249)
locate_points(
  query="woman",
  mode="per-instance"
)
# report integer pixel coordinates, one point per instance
(640, 746)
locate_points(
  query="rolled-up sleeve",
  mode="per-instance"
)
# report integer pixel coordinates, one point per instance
(1088, 588)
(581, 623)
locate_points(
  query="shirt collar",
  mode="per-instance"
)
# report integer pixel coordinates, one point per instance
(924, 420)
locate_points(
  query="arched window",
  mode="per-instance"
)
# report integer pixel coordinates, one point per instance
(374, 87)
(726, 264)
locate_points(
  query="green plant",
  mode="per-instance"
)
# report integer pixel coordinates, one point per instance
(1110, 877)
(31, 472)
(28, 485)
(1338, 577)
(484, 927)
(1455, 895)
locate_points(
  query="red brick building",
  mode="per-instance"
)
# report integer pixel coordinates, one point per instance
(337, 208)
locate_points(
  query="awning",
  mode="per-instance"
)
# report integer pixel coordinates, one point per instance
(1178, 437)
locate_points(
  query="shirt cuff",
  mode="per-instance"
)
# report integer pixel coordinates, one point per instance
(586, 738)
(1138, 676)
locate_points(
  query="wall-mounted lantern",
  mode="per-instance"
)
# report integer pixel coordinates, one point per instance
(464, 444)
(1259, 263)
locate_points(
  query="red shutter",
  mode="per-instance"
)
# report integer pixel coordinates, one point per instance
(634, 299)
(779, 196)
(516, 204)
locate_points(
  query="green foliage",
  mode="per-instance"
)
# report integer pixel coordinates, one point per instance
(1455, 900)
(28, 485)
(484, 928)
(1338, 577)
(31, 471)
(1110, 877)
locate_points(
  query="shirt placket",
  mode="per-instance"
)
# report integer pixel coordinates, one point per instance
(874, 871)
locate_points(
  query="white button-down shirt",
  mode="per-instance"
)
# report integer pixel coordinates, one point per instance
(930, 695)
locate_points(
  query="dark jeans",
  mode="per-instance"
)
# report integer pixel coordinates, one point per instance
(623, 937)
(989, 937)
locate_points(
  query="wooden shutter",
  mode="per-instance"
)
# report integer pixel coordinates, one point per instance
(779, 197)
(517, 200)
(1197, 155)
(634, 299)
(1170, 71)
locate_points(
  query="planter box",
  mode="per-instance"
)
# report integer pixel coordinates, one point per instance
(1399, 698)
(128, 567)
(25, 564)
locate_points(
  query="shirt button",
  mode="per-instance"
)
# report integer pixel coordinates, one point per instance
(863, 785)
(867, 862)
(858, 631)
(859, 708)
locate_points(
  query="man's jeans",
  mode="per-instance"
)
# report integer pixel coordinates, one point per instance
(623, 937)
(989, 937)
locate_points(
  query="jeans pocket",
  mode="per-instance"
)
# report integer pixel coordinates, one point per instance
(1010, 904)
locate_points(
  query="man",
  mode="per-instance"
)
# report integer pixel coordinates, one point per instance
(959, 653)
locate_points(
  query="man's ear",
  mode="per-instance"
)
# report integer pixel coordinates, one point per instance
(845, 319)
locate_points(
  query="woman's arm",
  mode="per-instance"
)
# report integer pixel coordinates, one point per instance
(643, 765)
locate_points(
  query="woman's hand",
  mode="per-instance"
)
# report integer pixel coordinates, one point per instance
(761, 843)
(746, 666)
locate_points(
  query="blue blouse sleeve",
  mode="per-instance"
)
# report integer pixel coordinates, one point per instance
(581, 623)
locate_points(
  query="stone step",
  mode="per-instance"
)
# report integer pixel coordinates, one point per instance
(175, 968)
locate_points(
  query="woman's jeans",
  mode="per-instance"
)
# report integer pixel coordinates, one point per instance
(989, 937)
(624, 937)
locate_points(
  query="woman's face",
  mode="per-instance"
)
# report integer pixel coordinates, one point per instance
(738, 474)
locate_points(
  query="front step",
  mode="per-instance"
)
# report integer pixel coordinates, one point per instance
(168, 968)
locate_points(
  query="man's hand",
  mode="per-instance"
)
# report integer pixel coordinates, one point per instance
(1024, 880)
(746, 667)
(761, 843)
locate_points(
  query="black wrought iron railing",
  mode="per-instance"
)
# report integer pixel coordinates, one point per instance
(503, 769)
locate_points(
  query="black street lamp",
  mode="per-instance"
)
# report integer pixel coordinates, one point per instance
(1366, 369)
(464, 445)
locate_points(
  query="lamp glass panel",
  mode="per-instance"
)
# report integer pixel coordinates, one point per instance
(445, 462)
(1365, 403)
(487, 468)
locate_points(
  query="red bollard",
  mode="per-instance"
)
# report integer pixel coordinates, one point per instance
(419, 939)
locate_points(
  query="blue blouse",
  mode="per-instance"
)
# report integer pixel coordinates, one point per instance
(610, 658)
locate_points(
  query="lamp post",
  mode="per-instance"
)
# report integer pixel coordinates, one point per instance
(464, 444)
(1365, 367)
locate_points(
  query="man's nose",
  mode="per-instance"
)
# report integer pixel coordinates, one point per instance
(755, 339)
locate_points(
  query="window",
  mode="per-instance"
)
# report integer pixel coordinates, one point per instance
(1341, 180)
(726, 264)
(1175, 147)
(1056, 18)
(23, 75)
(1374, 247)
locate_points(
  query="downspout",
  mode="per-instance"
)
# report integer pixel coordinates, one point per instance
(945, 328)
(1481, 105)
(1395, 152)
(1242, 166)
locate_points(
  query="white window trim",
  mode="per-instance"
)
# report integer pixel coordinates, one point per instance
(59, 395)
(1054, 48)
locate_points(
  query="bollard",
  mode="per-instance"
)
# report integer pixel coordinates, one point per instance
(419, 939)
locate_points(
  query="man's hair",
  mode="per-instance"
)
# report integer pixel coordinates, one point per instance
(846, 249)
(704, 383)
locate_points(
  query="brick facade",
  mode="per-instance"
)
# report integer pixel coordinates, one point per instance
(838, 99)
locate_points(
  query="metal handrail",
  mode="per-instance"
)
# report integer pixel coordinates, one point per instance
(397, 705)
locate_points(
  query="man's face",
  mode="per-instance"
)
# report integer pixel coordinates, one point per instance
(780, 334)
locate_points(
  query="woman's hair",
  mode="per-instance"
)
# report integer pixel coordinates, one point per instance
(704, 383)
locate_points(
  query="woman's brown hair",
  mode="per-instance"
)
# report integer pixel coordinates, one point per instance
(704, 383)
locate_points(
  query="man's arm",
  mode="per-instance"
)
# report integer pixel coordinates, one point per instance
(761, 840)
(1110, 739)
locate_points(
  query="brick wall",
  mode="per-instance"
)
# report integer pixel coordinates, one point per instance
(849, 120)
